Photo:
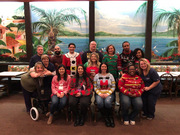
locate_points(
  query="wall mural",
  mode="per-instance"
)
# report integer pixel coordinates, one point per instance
(60, 23)
(12, 32)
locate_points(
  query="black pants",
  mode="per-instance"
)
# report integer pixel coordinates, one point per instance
(149, 103)
(84, 102)
(27, 98)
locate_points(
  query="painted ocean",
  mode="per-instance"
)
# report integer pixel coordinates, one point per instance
(158, 44)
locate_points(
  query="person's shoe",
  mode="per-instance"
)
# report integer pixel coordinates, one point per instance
(112, 122)
(143, 116)
(50, 120)
(126, 123)
(81, 123)
(107, 122)
(76, 122)
(132, 122)
(117, 104)
(149, 118)
(47, 114)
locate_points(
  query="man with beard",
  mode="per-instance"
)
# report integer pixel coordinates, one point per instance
(56, 59)
(126, 58)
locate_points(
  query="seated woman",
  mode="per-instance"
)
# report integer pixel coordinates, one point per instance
(138, 54)
(92, 66)
(60, 85)
(29, 83)
(131, 87)
(80, 91)
(104, 86)
(152, 90)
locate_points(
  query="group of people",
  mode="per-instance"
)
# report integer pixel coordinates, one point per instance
(74, 79)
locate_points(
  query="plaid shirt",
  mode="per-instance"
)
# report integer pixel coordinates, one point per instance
(85, 92)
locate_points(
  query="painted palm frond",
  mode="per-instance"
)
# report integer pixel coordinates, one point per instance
(2, 43)
(3, 51)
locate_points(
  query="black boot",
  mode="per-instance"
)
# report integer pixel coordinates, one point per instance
(106, 117)
(81, 123)
(111, 119)
(76, 122)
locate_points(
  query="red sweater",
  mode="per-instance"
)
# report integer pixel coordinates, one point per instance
(131, 84)
(87, 90)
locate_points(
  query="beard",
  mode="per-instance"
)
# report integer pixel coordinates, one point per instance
(57, 52)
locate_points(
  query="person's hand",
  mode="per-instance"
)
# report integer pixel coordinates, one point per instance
(78, 94)
(62, 95)
(58, 95)
(106, 95)
(146, 88)
(101, 95)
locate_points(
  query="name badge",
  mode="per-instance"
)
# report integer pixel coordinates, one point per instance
(61, 87)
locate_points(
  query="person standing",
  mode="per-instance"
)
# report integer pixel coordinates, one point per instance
(57, 58)
(152, 90)
(126, 58)
(36, 57)
(71, 60)
(92, 48)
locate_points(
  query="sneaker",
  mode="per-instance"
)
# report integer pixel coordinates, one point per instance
(50, 120)
(126, 123)
(117, 104)
(132, 122)
(47, 114)
(149, 118)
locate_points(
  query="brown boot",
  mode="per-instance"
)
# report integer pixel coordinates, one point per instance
(50, 119)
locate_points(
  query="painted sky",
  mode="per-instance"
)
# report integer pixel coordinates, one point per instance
(110, 16)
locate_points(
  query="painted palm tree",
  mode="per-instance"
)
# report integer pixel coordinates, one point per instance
(172, 19)
(53, 22)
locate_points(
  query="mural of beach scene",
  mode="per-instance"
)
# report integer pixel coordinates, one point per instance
(118, 21)
(12, 32)
(60, 23)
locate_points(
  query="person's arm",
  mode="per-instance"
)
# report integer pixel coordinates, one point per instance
(154, 84)
(141, 90)
(119, 65)
(112, 86)
(96, 89)
(66, 89)
(121, 86)
(64, 61)
(54, 85)
(79, 59)
(88, 89)
(72, 88)
(35, 75)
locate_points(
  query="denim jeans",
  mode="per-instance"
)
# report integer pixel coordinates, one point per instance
(57, 103)
(126, 103)
(104, 102)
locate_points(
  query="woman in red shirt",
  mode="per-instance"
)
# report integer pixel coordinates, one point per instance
(131, 88)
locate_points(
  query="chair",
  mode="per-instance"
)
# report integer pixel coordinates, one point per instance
(167, 82)
(4, 87)
(177, 85)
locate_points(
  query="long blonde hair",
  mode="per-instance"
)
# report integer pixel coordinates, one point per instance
(97, 62)
(148, 65)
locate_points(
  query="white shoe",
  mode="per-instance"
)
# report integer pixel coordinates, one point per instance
(126, 123)
(132, 122)
(117, 104)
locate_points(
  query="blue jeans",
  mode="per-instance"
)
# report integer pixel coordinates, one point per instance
(126, 103)
(104, 102)
(57, 103)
